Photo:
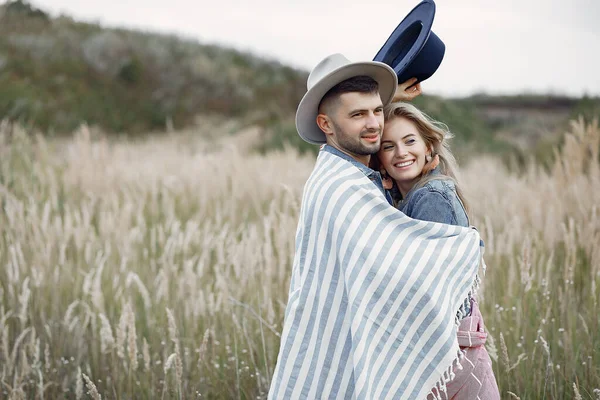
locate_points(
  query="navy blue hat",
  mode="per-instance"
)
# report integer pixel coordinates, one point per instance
(413, 50)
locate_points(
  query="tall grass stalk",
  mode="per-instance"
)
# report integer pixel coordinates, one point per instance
(99, 238)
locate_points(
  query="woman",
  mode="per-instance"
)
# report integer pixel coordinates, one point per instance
(421, 174)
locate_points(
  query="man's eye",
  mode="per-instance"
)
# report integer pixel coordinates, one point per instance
(379, 110)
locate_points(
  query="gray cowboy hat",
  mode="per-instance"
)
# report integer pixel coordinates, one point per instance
(328, 73)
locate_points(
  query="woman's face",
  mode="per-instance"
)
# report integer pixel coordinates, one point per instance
(402, 152)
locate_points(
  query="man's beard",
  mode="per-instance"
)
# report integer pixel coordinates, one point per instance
(355, 146)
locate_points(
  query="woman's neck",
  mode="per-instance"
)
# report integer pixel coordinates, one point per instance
(406, 186)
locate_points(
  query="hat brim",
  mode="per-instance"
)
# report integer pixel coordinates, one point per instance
(306, 115)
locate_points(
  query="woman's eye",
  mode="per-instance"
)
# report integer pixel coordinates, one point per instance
(410, 141)
(388, 147)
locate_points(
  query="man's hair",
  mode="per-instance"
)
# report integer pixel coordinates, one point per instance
(361, 84)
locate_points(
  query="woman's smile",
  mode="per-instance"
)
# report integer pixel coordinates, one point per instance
(404, 164)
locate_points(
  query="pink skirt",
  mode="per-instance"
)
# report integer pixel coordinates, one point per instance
(476, 380)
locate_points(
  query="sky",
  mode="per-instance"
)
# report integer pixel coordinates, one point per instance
(492, 46)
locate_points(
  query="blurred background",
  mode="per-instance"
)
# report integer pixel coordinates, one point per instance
(508, 47)
(514, 72)
(151, 178)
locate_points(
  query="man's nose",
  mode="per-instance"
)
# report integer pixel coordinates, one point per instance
(372, 121)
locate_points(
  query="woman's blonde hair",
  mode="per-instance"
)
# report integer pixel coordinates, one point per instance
(435, 135)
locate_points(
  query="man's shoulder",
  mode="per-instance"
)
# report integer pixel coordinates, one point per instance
(334, 167)
(337, 178)
(343, 157)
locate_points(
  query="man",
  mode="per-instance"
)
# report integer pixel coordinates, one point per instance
(373, 293)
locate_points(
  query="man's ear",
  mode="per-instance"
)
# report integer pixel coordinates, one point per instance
(325, 124)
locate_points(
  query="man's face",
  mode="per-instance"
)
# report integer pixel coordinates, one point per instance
(357, 122)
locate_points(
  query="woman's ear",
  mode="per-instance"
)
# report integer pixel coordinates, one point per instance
(428, 154)
(430, 150)
(432, 160)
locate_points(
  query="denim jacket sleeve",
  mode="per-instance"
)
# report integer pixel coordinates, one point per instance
(429, 204)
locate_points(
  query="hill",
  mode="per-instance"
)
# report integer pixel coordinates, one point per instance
(56, 73)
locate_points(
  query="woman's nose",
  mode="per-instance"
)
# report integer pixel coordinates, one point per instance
(401, 152)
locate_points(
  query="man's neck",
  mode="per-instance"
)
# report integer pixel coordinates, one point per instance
(359, 158)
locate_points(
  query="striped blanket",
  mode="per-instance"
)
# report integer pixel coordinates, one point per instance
(373, 296)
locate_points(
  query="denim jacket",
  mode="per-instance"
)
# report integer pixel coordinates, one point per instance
(436, 201)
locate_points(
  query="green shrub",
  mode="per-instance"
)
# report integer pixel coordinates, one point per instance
(131, 71)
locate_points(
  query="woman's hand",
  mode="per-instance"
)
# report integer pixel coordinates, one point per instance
(406, 93)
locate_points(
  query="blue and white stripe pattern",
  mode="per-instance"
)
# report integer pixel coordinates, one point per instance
(373, 297)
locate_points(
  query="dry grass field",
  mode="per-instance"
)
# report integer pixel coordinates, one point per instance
(160, 268)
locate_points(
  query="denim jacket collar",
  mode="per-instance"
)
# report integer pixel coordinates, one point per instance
(402, 200)
(434, 172)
